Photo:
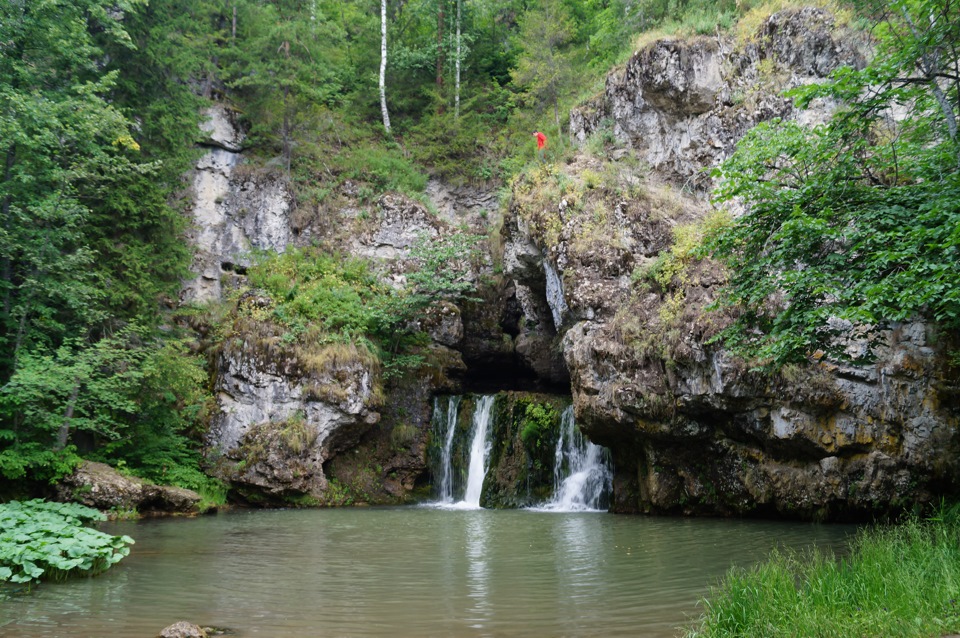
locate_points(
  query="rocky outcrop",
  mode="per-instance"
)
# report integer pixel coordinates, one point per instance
(235, 210)
(683, 104)
(100, 486)
(695, 431)
(600, 251)
(286, 410)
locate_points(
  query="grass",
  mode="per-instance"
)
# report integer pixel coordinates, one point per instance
(901, 581)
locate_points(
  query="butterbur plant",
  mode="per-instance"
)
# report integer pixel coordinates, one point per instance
(50, 541)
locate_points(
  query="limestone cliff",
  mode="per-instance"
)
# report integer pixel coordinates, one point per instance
(601, 294)
(602, 243)
(286, 412)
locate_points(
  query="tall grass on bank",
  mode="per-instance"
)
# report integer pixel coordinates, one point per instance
(899, 581)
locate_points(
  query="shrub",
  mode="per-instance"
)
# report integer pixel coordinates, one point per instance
(49, 540)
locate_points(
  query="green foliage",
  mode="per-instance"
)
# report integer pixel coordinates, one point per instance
(273, 65)
(897, 581)
(341, 297)
(51, 541)
(468, 147)
(34, 460)
(443, 267)
(544, 68)
(856, 220)
(383, 167)
(91, 241)
(320, 299)
(135, 396)
(539, 421)
(63, 142)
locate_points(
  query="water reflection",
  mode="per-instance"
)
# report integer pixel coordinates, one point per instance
(406, 571)
(477, 570)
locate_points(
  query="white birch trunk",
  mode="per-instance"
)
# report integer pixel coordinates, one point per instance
(383, 64)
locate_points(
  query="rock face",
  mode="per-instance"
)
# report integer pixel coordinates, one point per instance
(598, 252)
(684, 104)
(102, 487)
(279, 420)
(235, 210)
(283, 412)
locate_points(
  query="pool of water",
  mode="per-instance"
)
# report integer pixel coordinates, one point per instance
(413, 571)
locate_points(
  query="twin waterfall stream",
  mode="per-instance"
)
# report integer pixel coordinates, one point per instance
(582, 476)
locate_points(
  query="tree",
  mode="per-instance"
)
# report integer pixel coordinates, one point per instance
(456, 99)
(65, 146)
(286, 69)
(855, 221)
(383, 65)
(543, 68)
(88, 238)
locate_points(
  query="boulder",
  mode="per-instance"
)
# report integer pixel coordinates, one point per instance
(183, 629)
(102, 487)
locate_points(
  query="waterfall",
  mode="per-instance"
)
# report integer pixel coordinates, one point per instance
(446, 463)
(460, 459)
(452, 455)
(479, 450)
(582, 478)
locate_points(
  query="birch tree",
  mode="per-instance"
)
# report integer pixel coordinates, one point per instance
(383, 65)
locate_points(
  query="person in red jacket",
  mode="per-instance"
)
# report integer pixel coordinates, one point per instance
(541, 144)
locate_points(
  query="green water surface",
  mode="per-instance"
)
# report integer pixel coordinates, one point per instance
(411, 571)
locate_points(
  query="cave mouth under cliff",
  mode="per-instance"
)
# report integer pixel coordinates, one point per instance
(506, 375)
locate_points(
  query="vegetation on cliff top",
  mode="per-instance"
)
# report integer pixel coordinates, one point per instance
(330, 310)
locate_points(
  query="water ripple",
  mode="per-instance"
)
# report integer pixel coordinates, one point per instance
(407, 571)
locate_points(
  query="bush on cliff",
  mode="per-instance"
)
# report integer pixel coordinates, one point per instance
(853, 222)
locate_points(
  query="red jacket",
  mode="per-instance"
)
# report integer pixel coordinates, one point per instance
(541, 140)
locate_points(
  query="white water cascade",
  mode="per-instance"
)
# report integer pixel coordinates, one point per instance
(476, 457)
(479, 451)
(582, 478)
(446, 464)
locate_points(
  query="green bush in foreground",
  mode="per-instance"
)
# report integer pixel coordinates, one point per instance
(49, 541)
(900, 581)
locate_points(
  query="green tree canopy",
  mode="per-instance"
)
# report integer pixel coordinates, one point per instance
(856, 221)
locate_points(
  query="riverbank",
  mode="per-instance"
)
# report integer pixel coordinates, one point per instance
(900, 581)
